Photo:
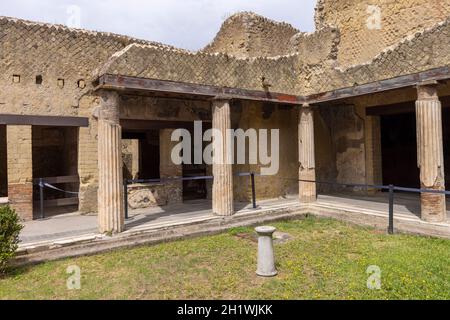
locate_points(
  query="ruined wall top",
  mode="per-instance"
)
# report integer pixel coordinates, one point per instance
(62, 58)
(247, 34)
(249, 52)
(369, 26)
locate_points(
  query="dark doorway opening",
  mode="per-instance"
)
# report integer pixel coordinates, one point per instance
(3, 163)
(194, 189)
(399, 150)
(141, 154)
(55, 159)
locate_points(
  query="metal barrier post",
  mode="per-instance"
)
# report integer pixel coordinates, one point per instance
(41, 197)
(125, 197)
(252, 175)
(391, 209)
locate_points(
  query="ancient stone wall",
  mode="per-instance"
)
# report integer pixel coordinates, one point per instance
(340, 145)
(325, 148)
(319, 47)
(88, 157)
(369, 26)
(417, 53)
(268, 116)
(247, 34)
(130, 156)
(20, 170)
(147, 61)
(168, 169)
(46, 69)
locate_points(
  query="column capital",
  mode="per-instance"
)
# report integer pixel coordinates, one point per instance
(307, 106)
(220, 98)
(109, 106)
(427, 90)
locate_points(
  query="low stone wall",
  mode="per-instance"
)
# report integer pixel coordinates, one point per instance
(143, 196)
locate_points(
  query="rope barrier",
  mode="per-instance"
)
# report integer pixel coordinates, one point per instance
(252, 175)
(58, 189)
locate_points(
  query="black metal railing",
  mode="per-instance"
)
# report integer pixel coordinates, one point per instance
(49, 183)
(126, 183)
(391, 189)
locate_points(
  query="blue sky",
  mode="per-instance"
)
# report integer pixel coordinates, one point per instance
(189, 24)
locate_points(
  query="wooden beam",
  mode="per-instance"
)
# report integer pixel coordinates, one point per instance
(28, 120)
(398, 108)
(144, 125)
(199, 91)
(410, 80)
(191, 90)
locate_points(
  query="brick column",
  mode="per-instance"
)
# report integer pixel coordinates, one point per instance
(430, 154)
(20, 170)
(110, 190)
(222, 170)
(307, 164)
(168, 169)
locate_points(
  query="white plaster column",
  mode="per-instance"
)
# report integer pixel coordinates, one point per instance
(110, 191)
(222, 198)
(430, 153)
(307, 164)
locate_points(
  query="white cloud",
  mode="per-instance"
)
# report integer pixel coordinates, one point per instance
(187, 24)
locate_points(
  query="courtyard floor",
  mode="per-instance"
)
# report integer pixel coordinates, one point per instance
(317, 259)
(75, 225)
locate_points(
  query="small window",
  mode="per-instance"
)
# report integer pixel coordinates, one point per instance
(39, 80)
(81, 84)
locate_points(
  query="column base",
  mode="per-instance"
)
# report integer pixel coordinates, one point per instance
(433, 207)
(307, 192)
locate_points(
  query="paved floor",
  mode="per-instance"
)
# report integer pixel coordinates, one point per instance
(74, 224)
(404, 204)
(71, 225)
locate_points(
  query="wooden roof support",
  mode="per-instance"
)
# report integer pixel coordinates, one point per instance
(191, 90)
(55, 121)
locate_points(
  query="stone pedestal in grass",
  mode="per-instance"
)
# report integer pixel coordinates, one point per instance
(266, 257)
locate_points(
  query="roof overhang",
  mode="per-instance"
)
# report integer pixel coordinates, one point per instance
(190, 90)
(207, 92)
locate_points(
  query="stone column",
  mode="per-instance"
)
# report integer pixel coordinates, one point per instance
(222, 168)
(110, 191)
(20, 170)
(307, 164)
(430, 154)
(167, 169)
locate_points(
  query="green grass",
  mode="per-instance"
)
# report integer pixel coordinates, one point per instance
(325, 259)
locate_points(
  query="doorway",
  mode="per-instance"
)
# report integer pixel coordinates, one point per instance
(55, 159)
(399, 150)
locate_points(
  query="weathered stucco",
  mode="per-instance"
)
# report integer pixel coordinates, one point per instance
(267, 116)
(50, 70)
(360, 43)
(247, 34)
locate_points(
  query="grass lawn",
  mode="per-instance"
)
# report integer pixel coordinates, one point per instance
(325, 259)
